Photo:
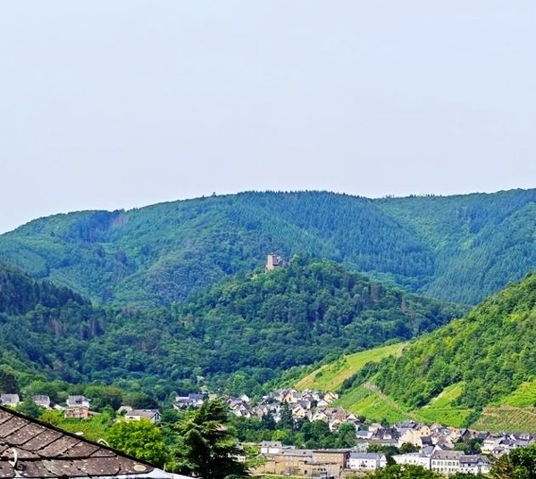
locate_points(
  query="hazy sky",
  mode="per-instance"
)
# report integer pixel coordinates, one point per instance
(114, 104)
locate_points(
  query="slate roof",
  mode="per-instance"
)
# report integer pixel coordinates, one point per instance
(32, 449)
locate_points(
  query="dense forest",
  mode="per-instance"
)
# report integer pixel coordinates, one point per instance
(235, 337)
(490, 353)
(457, 248)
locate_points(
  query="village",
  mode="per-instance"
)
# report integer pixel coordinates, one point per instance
(432, 446)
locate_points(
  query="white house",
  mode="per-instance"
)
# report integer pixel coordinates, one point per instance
(271, 447)
(42, 401)
(366, 461)
(77, 401)
(11, 400)
(445, 462)
(192, 400)
(413, 458)
(474, 464)
(152, 415)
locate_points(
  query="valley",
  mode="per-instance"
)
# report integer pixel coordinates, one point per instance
(405, 309)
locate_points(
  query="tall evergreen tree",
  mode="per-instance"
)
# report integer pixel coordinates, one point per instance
(206, 448)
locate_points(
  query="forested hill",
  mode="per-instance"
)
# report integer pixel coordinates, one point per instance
(489, 355)
(238, 335)
(480, 242)
(43, 328)
(302, 312)
(457, 248)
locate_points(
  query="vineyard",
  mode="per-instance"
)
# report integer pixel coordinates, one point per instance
(523, 396)
(375, 406)
(330, 376)
(507, 419)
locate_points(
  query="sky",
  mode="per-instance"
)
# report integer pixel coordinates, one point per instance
(110, 104)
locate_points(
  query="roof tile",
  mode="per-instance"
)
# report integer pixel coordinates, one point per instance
(9, 427)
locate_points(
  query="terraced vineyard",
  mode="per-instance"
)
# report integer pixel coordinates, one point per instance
(443, 410)
(523, 396)
(507, 418)
(369, 402)
(330, 376)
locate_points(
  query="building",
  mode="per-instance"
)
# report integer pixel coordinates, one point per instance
(35, 449)
(273, 261)
(76, 412)
(42, 401)
(152, 415)
(271, 447)
(289, 461)
(414, 459)
(305, 462)
(192, 400)
(11, 400)
(78, 401)
(445, 462)
(474, 464)
(366, 461)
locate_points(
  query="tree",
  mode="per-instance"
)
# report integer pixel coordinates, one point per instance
(141, 439)
(268, 422)
(102, 396)
(29, 408)
(346, 435)
(517, 464)
(286, 421)
(407, 447)
(8, 383)
(144, 401)
(206, 448)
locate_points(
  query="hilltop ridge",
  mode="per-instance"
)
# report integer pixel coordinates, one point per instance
(456, 248)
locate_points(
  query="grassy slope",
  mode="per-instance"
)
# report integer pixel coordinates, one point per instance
(330, 376)
(369, 401)
(515, 414)
(364, 400)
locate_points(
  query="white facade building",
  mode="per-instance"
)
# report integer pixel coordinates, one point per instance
(413, 458)
(366, 461)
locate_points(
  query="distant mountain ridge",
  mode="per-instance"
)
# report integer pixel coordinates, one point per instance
(456, 248)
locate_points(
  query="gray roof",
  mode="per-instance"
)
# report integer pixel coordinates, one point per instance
(470, 459)
(148, 413)
(447, 454)
(31, 449)
(366, 455)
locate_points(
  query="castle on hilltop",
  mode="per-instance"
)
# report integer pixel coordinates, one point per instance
(273, 261)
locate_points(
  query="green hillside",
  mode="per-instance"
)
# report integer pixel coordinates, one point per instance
(479, 241)
(366, 399)
(298, 314)
(458, 248)
(479, 368)
(491, 350)
(235, 337)
(331, 376)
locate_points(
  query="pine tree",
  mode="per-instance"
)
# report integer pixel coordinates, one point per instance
(206, 447)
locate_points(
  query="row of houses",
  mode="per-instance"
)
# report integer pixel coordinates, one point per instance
(423, 435)
(446, 462)
(338, 463)
(78, 407)
(308, 404)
